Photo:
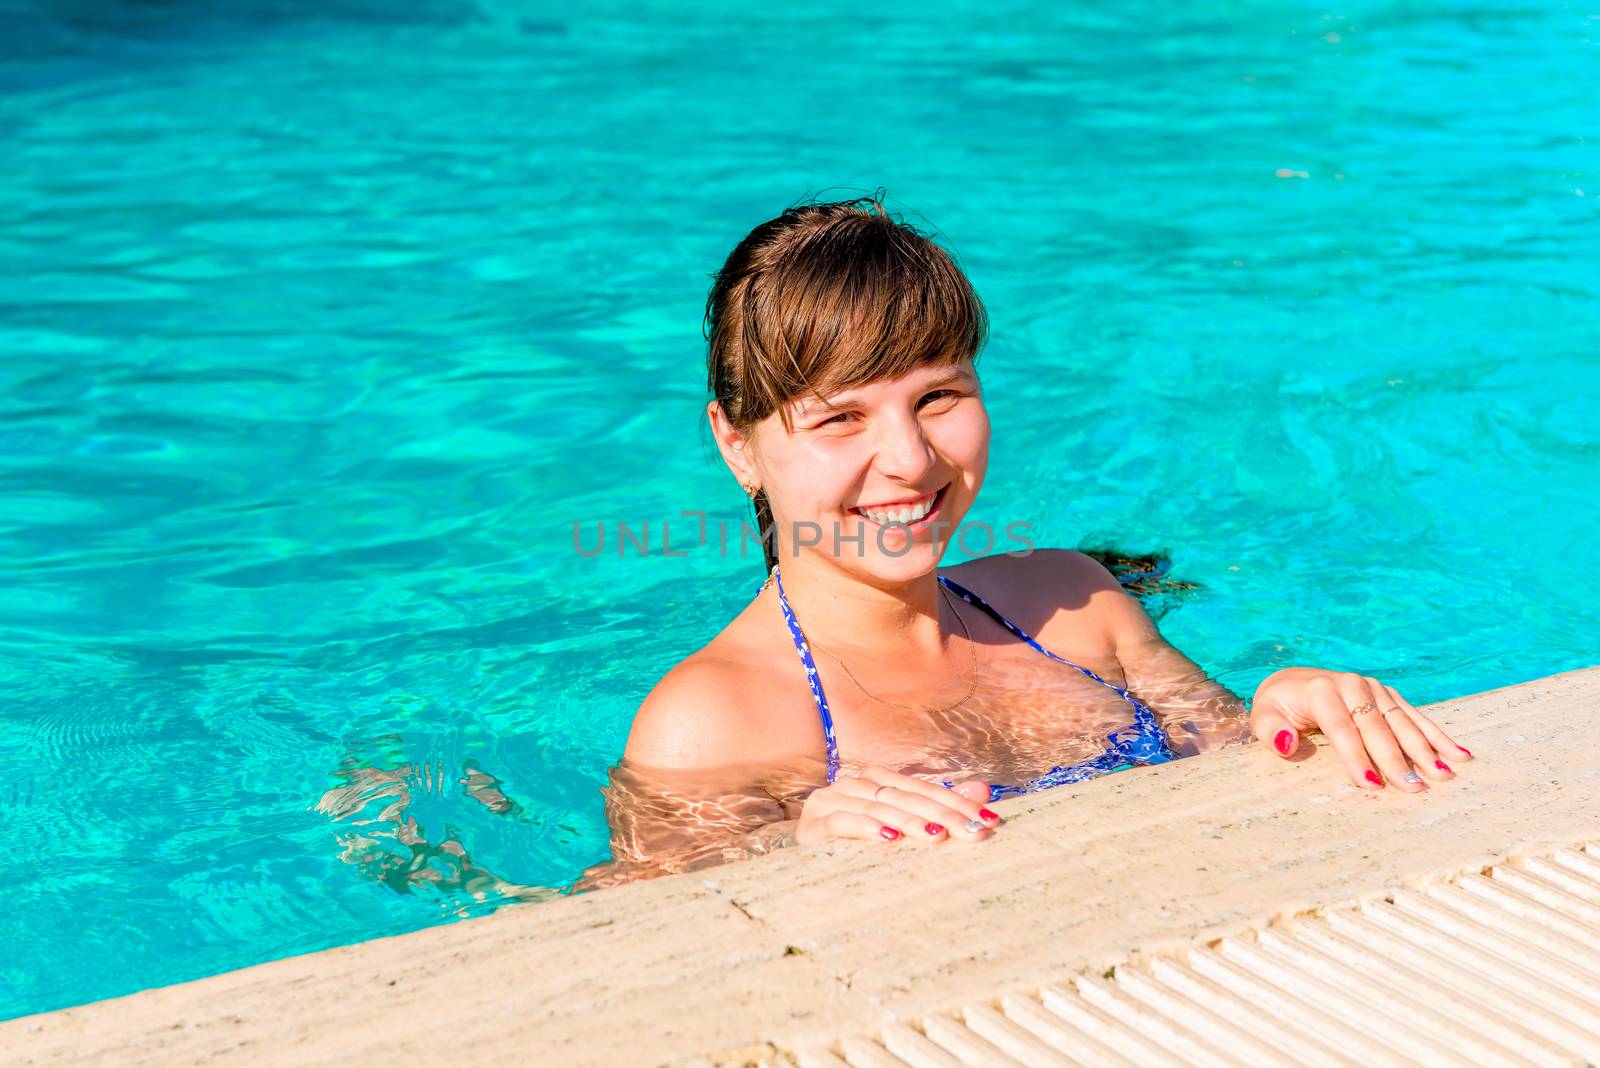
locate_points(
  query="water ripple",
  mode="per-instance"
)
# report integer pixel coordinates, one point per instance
(325, 325)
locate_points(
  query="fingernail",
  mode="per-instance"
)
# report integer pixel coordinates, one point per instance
(890, 833)
(1441, 765)
(1285, 742)
(1374, 778)
(1465, 750)
(987, 815)
(1413, 778)
(932, 828)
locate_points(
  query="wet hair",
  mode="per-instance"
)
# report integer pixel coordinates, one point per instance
(827, 297)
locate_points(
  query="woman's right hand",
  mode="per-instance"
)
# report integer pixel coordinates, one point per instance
(880, 803)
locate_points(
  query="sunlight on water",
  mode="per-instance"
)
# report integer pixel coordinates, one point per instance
(326, 323)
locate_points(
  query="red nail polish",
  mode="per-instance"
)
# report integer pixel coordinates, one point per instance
(1374, 778)
(890, 833)
(932, 828)
(1285, 742)
(987, 815)
(1441, 765)
(1465, 750)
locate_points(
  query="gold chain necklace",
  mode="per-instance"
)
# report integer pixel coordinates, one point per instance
(971, 688)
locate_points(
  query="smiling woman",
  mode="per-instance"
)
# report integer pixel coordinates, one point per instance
(847, 403)
(813, 307)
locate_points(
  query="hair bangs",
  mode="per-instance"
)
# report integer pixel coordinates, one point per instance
(852, 303)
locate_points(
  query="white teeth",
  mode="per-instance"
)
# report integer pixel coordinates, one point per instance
(905, 514)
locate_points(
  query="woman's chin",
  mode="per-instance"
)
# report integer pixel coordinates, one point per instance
(921, 559)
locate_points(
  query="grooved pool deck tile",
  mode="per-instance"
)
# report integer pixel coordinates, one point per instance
(735, 963)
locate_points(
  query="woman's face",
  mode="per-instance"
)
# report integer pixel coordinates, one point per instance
(880, 475)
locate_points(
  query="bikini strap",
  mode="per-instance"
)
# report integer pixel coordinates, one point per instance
(1149, 744)
(802, 647)
(1146, 743)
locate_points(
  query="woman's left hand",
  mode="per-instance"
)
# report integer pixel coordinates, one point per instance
(1377, 733)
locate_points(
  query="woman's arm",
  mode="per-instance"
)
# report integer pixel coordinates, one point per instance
(1197, 712)
(664, 821)
(1379, 736)
(712, 774)
(692, 787)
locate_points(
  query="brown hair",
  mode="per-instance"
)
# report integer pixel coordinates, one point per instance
(828, 297)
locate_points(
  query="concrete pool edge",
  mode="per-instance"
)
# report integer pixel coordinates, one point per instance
(797, 948)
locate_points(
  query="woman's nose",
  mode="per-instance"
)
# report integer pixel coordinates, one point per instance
(904, 451)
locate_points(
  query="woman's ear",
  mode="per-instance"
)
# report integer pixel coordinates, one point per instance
(734, 444)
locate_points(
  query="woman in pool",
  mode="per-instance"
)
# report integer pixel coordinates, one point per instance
(846, 403)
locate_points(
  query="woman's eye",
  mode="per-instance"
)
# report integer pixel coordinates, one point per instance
(932, 395)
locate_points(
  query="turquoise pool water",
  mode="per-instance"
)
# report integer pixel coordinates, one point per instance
(322, 326)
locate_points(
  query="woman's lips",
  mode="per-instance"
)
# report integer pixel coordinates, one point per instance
(918, 525)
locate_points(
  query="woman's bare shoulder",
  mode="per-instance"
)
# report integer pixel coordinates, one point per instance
(1053, 589)
(1062, 572)
(727, 703)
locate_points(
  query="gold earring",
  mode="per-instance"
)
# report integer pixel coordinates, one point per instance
(749, 490)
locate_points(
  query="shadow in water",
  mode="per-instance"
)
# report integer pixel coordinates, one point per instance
(393, 849)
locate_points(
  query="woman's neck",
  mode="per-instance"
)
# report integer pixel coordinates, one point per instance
(841, 611)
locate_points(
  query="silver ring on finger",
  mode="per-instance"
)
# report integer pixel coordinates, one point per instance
(1392, 708)
(880, 790)
(1363, 709)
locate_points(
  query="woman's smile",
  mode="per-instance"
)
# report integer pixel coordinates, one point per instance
(914, 514)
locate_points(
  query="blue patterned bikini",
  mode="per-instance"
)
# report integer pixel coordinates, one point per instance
(1143, 743)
